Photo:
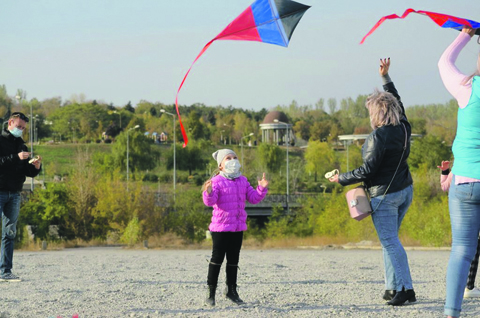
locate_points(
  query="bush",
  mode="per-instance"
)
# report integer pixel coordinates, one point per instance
(327, 215)
(46, 207)
(166, 177)
(132, 233)
(277, 226)
(150, 177)
(254, 230)
(182, 177)
(191, 218)
(429, 151)
(198, 180)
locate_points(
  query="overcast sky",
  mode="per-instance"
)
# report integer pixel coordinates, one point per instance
(123, 50)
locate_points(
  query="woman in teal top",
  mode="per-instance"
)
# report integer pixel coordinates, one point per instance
(464, 194)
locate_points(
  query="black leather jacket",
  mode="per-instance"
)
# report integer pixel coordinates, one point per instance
(381, 155)
(12, 169)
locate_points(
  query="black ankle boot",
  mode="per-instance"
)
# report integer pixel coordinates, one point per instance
(389, 294)
(212, 280)
(231, 293)
(402, 296)
(211, 295)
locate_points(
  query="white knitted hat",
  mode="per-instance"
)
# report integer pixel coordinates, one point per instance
(219, 155)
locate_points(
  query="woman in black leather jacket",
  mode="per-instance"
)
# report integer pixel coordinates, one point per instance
(387, 177)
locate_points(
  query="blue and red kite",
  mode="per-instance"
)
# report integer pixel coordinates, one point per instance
(443, 20)
(267, 21)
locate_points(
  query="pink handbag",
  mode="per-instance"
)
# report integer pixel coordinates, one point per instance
(358, 203)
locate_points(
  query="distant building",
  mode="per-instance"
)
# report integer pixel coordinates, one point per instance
(155, 137)
(163, 136)
(276, 132)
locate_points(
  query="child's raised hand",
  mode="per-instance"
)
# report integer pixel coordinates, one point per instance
(444, 166)
(208, 186)
(263, 182)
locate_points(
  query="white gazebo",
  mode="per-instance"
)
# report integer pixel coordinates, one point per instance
(275, 127)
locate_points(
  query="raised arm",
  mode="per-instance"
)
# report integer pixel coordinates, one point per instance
(387, 82)
(254, 196)
(210, 195)
(452, 78)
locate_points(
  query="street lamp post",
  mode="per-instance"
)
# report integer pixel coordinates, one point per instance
(137, 126)
(241, 145)
(174, 153)
(287, 140)
(31, 138)
(18, 98)
(221, 138)
(229, 135)
(119, 114)
(35, 130)
(346, 146)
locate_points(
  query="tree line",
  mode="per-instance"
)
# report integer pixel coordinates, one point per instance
(94, 203)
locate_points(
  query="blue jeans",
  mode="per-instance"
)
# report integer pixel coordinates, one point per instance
(387, 220)
(464, 206)
(10, 208)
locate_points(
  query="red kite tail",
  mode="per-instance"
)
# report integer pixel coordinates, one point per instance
(388, 17)
(184, 134)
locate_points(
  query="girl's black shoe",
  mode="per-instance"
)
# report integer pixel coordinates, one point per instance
(231, 293)
(389, 294)
(403, 296)
(210, 301)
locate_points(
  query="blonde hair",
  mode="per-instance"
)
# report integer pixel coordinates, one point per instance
(384, 109)
(215, 173)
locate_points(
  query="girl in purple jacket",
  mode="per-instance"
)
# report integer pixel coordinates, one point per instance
(226, 192)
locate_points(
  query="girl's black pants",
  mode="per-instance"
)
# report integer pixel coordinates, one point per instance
(225, 244)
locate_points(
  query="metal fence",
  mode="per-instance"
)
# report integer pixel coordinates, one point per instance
(166, 199)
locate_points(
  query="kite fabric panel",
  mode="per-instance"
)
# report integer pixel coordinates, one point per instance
(267, 21)
(442, 20)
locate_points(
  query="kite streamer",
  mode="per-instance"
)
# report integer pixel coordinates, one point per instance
(443, 20)
(267, 21)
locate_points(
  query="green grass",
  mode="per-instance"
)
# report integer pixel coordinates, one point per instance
(61, 157)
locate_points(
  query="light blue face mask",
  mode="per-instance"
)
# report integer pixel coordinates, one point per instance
(232, 166)
(16, 132)
(231, 169)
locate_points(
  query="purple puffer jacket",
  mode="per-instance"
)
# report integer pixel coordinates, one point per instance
(228, 201)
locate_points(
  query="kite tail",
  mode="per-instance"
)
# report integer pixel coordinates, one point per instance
(439, 18)
(388, 17)
(184, 134)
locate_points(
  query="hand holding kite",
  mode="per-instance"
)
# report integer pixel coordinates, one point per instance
(267, 21)
(468, 30)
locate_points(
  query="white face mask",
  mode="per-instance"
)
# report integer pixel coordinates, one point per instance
(16, 132)
(232, 166)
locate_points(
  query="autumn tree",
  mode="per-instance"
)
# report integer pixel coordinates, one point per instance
(271, 156)
(320, 158)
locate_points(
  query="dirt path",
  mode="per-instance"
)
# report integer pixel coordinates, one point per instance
(111, 282)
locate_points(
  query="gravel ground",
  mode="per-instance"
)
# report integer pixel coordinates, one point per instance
(113, 282)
